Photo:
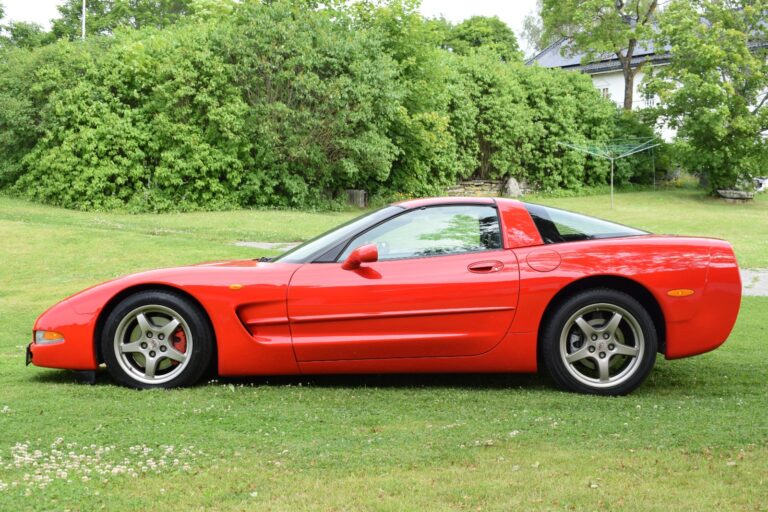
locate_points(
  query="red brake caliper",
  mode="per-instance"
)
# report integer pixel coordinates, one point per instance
(179, 342)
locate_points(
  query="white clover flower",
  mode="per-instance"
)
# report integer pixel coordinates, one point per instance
(82, 464)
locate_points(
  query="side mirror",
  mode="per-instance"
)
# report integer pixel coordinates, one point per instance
(363, 254)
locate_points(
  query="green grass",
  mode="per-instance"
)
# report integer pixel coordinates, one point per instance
(253, 225)
(694, 437)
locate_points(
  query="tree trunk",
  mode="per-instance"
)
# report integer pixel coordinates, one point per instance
(485, 159)
(626, 59)
(629, 88)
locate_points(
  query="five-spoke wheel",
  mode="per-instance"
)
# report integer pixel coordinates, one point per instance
(599, 341)
(157, 339)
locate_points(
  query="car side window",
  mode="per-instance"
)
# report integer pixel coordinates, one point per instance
(433, 231)
(557, 226)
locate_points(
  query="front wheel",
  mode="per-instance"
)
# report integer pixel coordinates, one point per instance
(157, 339)
(599, 341)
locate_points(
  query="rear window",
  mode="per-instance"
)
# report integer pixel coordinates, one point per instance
(557, 226)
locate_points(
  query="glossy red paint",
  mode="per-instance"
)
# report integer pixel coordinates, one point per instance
(264, 345)
(402, 308)
(543, 260)
(365, 254)
(477, 312)
(658, 264)
(517, 225)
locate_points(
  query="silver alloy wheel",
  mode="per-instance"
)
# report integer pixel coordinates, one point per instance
(602, 345)
(146, 341)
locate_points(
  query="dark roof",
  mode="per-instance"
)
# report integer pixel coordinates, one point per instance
(558, 55)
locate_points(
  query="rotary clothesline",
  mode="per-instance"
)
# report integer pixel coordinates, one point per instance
(614, 149)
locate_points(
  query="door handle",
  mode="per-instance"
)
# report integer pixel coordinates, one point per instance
(485, 267)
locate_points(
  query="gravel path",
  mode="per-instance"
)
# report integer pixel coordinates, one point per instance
(754, 280)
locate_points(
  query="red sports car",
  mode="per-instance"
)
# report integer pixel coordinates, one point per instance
(430, 285)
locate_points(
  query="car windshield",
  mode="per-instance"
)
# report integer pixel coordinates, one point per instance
(320, 244)
(557, 226)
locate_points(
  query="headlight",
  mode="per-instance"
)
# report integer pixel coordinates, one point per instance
(48, 337)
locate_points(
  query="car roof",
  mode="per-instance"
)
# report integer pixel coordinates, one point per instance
(432, 201)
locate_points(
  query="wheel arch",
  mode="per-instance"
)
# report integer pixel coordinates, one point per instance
(619, 283)
(114, 301)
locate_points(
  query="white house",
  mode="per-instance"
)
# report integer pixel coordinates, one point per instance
(605, 71)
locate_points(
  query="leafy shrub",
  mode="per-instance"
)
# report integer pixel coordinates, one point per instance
(284, 104)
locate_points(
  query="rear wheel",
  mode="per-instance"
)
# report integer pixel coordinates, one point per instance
(600, 341)
(157, 339)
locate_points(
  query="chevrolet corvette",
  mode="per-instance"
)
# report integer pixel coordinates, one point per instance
(428, 285)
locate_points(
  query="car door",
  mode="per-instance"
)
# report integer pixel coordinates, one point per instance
(443, 286)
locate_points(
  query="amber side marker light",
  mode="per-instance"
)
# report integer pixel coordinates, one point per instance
(47, 337)
(683, 292)
(235, 286)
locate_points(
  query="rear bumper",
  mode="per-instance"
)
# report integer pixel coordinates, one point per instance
(717, 310)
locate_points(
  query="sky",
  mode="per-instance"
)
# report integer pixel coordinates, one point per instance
(38, 11)
(510, 11)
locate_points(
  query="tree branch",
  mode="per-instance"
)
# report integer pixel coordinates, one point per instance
(639, 66)
(760, 105)
(649, 13)
(631, 48)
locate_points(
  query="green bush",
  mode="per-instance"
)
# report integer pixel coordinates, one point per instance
(640, 168)
(151, 124)
(284, 104)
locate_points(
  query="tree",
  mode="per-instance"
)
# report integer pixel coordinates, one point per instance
(3, 39)
(103, 16)
(485, 32)
(715, 90)
(534, 32)
(23, 34)
(596, 27)
(285, 103)
(434, 116)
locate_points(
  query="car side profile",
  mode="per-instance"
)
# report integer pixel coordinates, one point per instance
(423, 286)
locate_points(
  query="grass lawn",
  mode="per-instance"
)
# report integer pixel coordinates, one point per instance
(694, 437)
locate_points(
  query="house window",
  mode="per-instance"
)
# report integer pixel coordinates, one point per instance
(605, 92)
(650, 99)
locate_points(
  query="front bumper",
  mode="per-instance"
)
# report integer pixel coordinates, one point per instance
(76, 351)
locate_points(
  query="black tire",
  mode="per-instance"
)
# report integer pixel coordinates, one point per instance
(143, 348)
(586, 348)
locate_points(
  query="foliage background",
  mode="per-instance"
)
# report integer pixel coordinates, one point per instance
(285, 104)
(715, 90)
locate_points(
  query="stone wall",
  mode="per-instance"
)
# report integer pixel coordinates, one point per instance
(485, 188)
(475, 188)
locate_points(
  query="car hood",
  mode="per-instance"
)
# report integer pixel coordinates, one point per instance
(232, 263)
(217, 274)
